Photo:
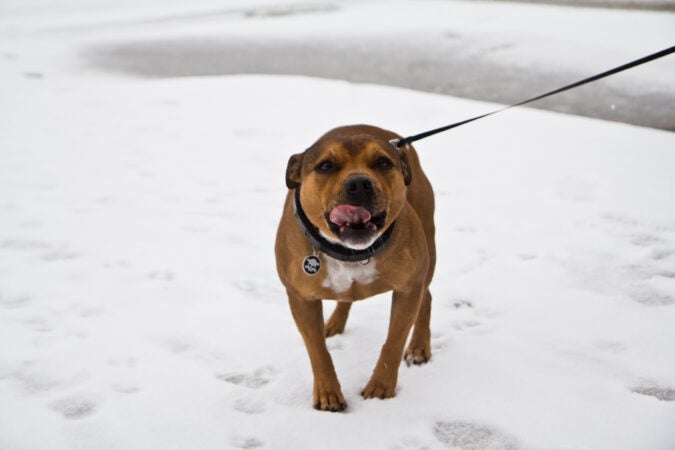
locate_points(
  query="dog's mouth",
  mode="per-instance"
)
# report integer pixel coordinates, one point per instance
(355, 224)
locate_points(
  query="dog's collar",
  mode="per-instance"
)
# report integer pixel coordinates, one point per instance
(333, 250)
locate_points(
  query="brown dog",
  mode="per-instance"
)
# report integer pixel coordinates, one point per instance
(358, 221)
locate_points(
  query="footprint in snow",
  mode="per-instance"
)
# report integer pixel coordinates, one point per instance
(621, 220)
(650, 297)
(642, 235)
(660, 254)
(76, 407)
(472, 436)
(250, 406)
(38, 324)
(125, 387)
(461, 325)
(23, 245)
(439, 341)
(10, 56)
(34, 381)
(58, 255)
(255, 380)
(8, 301)
(646, 280)
(52, 253)
(259, 291)
(31, 224)
(470, 318)
(412, 443)
(479, 259)
(662, 393)
(178, 344)
(612, 347)
(248, 287)
(162, 275)
(246, 442)
(33, 75)
(645, 240)
(460, 303)
(118, 264)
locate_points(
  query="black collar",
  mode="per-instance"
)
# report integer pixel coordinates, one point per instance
(337, 251)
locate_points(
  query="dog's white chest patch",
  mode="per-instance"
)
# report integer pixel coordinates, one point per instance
(341, 274)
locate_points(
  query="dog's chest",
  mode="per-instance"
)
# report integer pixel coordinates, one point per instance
(340, 275)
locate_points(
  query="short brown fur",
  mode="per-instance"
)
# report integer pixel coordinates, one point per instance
(405, 266)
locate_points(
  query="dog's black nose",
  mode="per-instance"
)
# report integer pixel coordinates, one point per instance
(359, 187)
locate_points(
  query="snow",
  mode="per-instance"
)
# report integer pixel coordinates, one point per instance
(140, 307)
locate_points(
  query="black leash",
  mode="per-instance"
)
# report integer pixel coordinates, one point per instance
(407, 140)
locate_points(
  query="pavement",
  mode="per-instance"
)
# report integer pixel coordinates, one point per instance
(410, 60)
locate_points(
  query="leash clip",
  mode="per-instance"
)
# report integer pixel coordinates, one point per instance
(396, 143)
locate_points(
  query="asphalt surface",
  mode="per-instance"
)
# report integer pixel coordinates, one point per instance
(443, 66)
(652, 5)
(438, 70)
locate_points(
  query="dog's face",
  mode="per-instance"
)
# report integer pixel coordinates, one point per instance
(352, 186)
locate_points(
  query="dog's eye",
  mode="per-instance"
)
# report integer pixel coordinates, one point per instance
(384, 163)
(325, 167)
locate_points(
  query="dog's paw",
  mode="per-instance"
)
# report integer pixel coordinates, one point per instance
(329, 400)
(417, 354)
(333, 327)
(379, 389)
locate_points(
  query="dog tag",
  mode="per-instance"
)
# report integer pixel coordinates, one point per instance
(311, 265)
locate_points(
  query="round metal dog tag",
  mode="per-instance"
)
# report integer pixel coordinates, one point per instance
(311, 265)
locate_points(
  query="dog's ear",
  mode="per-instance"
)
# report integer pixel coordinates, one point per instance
(405, 168)
(293, 171)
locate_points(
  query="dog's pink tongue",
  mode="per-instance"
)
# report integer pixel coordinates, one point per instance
(343, 215)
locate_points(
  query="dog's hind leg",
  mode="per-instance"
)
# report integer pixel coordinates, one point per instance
(338, 320)
(419, 349)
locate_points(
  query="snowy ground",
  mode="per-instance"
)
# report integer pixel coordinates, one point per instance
(140, 308)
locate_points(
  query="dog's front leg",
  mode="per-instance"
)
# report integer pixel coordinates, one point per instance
(404, 307)
(308, 315)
